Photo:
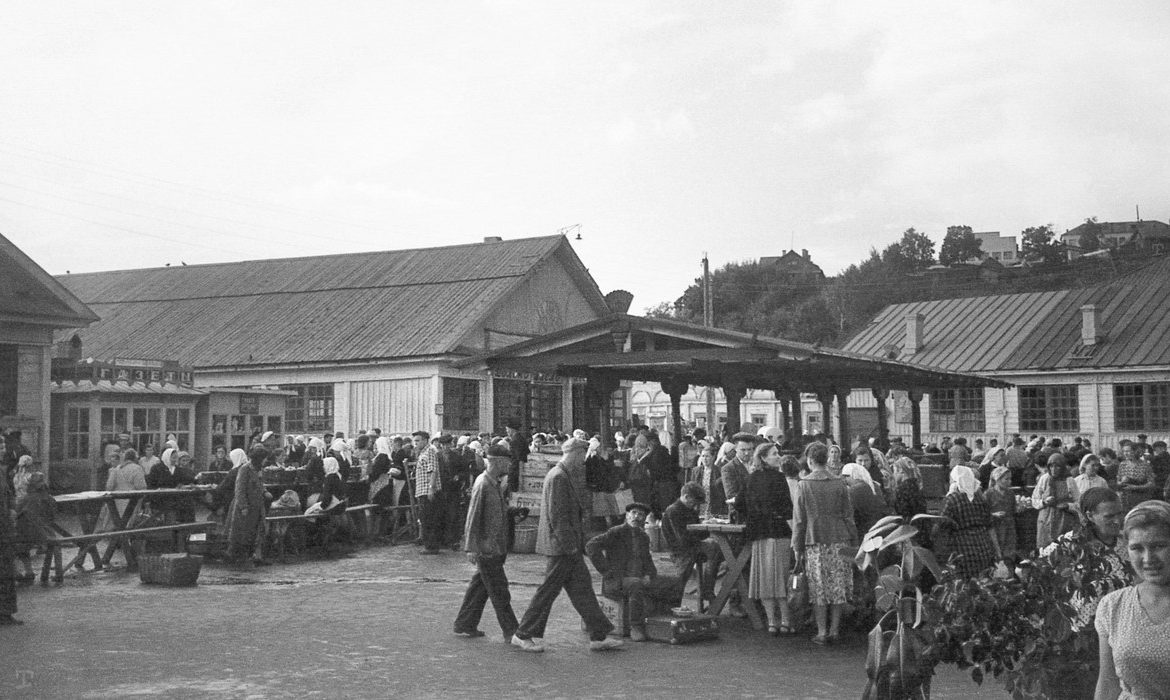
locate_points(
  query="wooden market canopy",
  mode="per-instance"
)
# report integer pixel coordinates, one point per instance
(679, 354)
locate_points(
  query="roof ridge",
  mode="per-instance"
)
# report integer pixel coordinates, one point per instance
(320, 290)
(507, 241)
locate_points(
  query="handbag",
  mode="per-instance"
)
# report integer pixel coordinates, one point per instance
(798, 586)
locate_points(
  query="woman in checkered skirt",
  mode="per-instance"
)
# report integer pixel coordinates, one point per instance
(972, 533)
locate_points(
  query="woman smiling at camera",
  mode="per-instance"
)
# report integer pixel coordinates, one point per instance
(1133, 623)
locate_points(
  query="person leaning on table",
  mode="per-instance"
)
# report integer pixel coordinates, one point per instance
(1132, 622)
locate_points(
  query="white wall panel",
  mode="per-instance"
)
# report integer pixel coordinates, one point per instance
(396, 405)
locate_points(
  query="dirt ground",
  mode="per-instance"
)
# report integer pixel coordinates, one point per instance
(377, 624)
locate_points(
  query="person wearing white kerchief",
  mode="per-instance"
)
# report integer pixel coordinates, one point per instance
(339, 450)
(869, 505)
(971, 530)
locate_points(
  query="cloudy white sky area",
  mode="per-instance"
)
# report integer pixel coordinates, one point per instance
(137, 134)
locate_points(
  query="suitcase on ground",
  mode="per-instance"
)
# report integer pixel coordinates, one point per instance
(681, 630)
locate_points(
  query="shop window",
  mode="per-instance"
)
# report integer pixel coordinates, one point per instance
(76, 432)
(114, 422)
(957, 411)
(759, 419)
(1141, 406)
(8, 374)
(310, 411)
(460, 404)
(1049, 409)
(546, 407)
(179, 425)
(146, 429)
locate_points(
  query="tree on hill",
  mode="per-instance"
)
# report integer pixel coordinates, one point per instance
(959, 245)
(1038, 242)
(913, 252)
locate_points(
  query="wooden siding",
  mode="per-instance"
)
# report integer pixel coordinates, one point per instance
(548, 300)
(397, 406)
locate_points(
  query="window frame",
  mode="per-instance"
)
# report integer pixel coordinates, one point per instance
(1042, 415)
(961, 410)
(1146, 407)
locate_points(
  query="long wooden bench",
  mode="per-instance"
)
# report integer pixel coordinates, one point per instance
(54, 543)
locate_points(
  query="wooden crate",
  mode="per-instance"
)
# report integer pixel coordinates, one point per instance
(170, 569)
(531, 501)
(531, 484)
(525, 540)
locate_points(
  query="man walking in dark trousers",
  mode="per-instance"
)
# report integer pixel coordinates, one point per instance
(560, 536)
(485, 537)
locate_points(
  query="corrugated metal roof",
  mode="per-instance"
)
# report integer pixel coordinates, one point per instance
(356, 306)
(1036, 330)
(88, 386)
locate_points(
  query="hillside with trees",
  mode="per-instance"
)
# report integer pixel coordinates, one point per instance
(757, 298)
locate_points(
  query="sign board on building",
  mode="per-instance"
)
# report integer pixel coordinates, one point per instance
(250, 405)
(438, 409)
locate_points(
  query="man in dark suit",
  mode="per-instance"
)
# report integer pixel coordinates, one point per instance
(621, 555)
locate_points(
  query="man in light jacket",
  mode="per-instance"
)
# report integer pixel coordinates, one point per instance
(560, 535)
(485, 538)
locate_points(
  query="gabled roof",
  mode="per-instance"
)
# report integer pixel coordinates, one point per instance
(331, 308)
(28, 294)
(664, 349)
(1033, 331)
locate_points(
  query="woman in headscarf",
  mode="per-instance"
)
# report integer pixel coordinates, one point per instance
(24, 471)
(339, 450)
(246, 519)
(1089, 476)
(1054, 497)
(995, 457)
(172, 471)
(381, 492)
(834, 464)
(35, 512)
(972, 535)
(314, 466)
(333, 488)
(868, 504)
(1002, 502)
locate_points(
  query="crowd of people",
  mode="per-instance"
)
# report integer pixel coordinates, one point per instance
(805, 505)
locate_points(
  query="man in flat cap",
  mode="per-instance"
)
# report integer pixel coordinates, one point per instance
(622, 555)
(560, 535)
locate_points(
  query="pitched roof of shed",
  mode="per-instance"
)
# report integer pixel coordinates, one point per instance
(314, 309)
(1035, 330)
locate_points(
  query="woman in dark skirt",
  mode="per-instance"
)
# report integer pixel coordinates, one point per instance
(972, 533)
(768, 505)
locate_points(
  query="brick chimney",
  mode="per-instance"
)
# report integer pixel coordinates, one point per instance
(1091, 325)
(804, 253)
(492, 239)
(914, 333)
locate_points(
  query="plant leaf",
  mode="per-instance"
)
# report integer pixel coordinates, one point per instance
(927, 516)
(927, 558)
(902, 534)
(885, 524)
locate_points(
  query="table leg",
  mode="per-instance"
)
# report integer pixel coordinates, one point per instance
(735, 579)
(728, 584)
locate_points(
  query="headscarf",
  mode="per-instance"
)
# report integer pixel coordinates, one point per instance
(299, 439)
(1158, 510)
(318, 444)
(581, 434)
(168, 458)
(990, 456)
(172, 444)
(1090, 458)
(963, 479)
(998, 472)
(332, 466)
(594, 443)
(383, 446)
(339, 445)
(853, 470)
(25, 462)
(238, 457)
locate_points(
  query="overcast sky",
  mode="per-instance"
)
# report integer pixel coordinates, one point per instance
(137, 134)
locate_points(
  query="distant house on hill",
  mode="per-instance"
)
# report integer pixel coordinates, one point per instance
(1144, 236)
(797, 268)
(1002, 249)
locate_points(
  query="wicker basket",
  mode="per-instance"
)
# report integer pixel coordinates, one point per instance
(170, 569)
(525, 541)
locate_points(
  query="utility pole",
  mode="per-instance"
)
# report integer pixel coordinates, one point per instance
(709, 321)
